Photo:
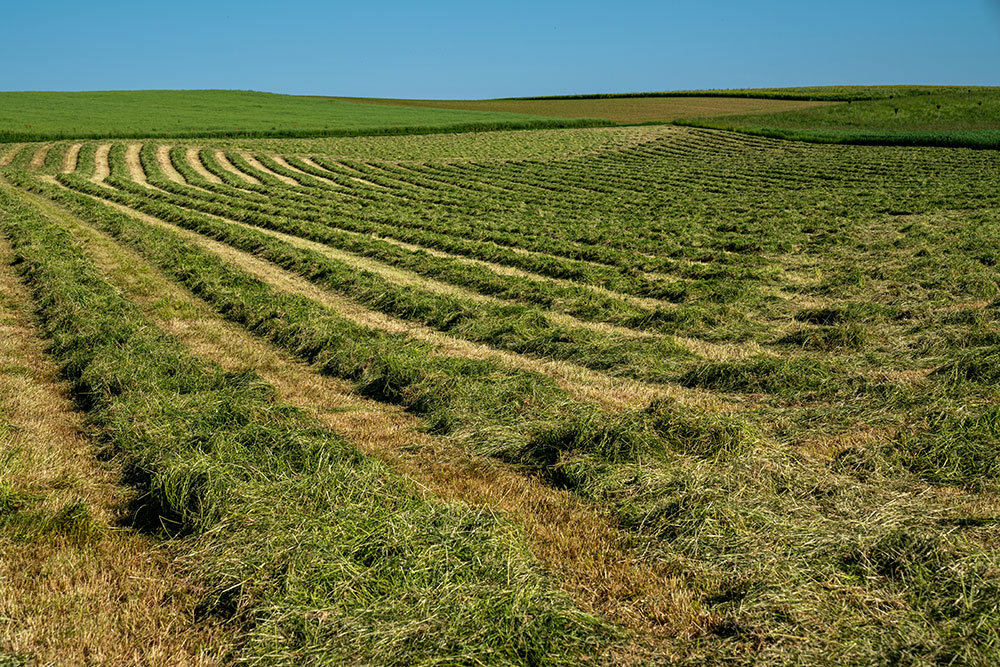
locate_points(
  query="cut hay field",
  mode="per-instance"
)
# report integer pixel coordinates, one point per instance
(610, 395)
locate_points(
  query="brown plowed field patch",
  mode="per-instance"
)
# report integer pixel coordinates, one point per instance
(619, 110)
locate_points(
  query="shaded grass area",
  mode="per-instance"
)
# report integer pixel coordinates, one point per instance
(321, 552)
(39, 116)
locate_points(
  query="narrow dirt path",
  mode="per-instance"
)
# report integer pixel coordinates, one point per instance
(111, 597)
(195, 161)
(255, 163)
(135, 170)
(592, 559)
(38, 159)
(231, 168)
(101, 167)
(70, 158)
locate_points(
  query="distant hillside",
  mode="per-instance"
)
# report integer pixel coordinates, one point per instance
(32, 116)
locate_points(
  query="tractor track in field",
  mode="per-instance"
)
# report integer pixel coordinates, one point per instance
(592, 559)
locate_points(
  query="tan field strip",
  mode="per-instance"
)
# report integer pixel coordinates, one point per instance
(195, 161)
(101, 167)
(70, 158)
(231, 168)
(134, 164)
(110, 597)
(167, 167)
(620, 110)
(38, 159)
(358, 179)
(591, 558)
(284, 163)
(11, 153)
(255, 163)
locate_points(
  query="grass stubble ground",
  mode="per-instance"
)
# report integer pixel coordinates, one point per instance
(808, 477)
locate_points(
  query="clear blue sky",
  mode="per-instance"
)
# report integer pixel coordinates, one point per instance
(445, 49)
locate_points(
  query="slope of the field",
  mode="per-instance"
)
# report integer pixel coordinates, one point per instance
(618, 109)
(31, 116)
(807, 93)
(957, 117)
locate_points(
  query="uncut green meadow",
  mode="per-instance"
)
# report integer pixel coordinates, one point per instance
(38, 116)
(818, 325)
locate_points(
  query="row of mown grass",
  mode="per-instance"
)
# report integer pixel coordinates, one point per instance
(727, 508)
(322, 553)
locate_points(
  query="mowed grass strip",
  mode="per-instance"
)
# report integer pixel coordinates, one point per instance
(76, 587)
(602, 568)
(320, 551)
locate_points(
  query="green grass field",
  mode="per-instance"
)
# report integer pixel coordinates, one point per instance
(38, 116)
(609, 395)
